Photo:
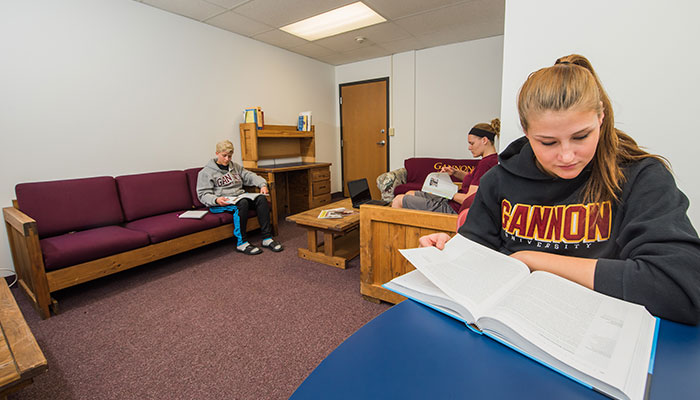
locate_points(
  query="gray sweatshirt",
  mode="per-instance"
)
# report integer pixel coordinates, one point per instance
(213, 182)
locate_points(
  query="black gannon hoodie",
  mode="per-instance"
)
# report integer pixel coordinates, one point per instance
(647, 249)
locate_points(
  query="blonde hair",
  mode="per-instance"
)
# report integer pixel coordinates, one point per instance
(494, 127)
(224, 146)
(572, 84)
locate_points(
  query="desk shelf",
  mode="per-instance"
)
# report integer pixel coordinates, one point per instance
(276, 141)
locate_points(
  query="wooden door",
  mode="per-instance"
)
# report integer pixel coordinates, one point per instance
(364, 127)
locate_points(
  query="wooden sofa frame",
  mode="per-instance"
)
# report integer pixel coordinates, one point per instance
(38, 283)
(385, 230)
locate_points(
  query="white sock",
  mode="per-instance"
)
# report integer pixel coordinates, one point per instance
(242, 246)
(267, 241)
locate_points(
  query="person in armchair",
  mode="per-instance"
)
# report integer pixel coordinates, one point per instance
(481, 139)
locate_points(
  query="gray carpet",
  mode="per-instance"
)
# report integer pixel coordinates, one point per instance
(208, 324)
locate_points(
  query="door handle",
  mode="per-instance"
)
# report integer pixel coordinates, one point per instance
(381, 143)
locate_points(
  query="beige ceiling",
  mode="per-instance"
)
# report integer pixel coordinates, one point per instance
(410, 25)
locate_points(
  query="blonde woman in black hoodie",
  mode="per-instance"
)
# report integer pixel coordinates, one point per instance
(579, 198)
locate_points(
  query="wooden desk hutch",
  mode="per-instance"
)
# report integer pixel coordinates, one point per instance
(294, 187)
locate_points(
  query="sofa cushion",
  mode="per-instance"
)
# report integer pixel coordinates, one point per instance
(168, 226)
(70, 205)
(155, 193)
(78, 247)
(405, 187)
(192, 174)
(418, 168)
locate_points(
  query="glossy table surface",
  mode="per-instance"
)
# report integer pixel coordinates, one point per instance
(413, 352)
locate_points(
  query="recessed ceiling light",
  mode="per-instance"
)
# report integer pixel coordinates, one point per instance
(343, 19)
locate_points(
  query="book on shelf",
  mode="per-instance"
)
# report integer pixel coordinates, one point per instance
(304, 122)
(440, 184)
(236, 199)
(193, 214)
(336, 213)
(601, 342)
(254, 115)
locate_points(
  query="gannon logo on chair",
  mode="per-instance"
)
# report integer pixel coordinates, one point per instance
(228, 179)
(571, 223)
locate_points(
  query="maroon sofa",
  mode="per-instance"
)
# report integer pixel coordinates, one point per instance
(66, 232)
(414, 172)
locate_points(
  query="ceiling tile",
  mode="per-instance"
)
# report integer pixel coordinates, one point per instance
(227, 3)
(195, 9)
(376, 34)
(312, 50)
(280, 38)
(473, 12)
(392, 9)
(238, 24)
(279, 13)
(460, 34)
(400, 46)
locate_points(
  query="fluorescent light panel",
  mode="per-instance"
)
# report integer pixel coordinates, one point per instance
(343, 19)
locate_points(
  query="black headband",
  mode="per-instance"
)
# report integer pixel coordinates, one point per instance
(482, 133)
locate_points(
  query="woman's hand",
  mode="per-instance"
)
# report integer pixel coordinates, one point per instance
(435, 239)
(221, 201)
(446, 168)
(264, 190)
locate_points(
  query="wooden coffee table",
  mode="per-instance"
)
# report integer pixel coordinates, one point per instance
(341, 236)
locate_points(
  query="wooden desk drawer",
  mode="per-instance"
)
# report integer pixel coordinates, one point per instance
(320, 200)
(321, 187)
(320, 174)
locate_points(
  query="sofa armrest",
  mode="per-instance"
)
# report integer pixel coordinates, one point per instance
(387, 181)
(23, 236)
(19, 221)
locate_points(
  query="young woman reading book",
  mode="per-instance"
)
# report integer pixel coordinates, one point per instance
(481, 140)
(580, 199)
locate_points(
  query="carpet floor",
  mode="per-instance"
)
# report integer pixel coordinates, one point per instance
(208, 324)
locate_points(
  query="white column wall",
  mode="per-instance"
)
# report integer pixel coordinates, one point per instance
(644, 53)
(112, 87)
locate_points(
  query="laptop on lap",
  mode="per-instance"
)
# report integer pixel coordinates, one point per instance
(359, 194)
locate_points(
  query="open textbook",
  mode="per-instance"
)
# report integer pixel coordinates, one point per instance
(236, 199)
(602, 342)
(440, 184)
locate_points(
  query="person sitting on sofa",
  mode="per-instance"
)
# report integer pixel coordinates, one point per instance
(481, 144)
(221, 178)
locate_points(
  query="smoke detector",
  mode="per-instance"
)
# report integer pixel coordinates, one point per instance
(360, 39)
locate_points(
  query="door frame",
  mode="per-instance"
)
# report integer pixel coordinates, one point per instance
(386, 133)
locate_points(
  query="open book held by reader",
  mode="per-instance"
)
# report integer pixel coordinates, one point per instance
(601, 342)
(440, 184)
(236, 199)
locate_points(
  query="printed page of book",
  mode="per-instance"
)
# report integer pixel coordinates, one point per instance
(469, 273)
(252, 196)
(440, 184)
(416, 286)
(598, 339)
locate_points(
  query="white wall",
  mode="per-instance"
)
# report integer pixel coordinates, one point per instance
(645, 54)
(111, 87)
(436, 95)
(457, 86)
